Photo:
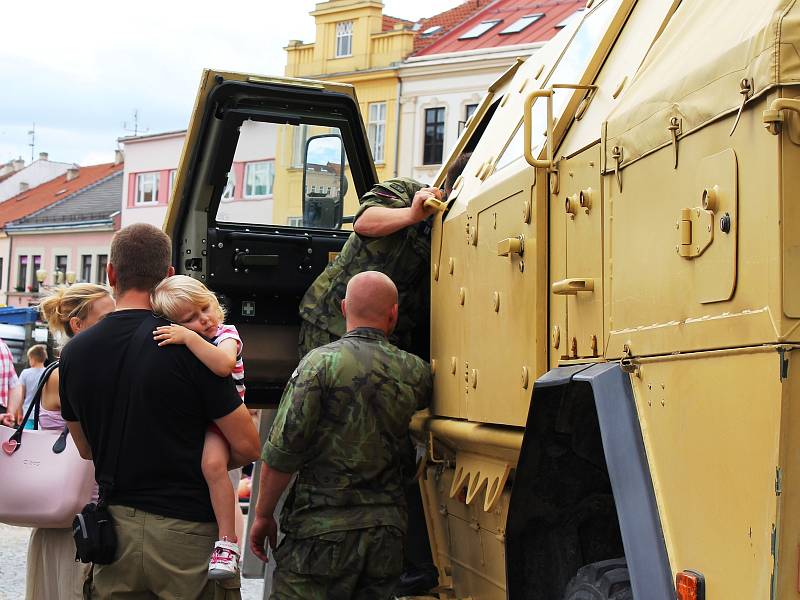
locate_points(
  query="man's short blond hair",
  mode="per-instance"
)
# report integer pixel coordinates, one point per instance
(171, 296)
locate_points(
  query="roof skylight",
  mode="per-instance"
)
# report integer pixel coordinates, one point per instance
(522, 23)
(480, 29)
(431, 30)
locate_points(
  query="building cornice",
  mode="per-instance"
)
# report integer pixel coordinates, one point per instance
(46, 228)
(466, 56)
(132, 139)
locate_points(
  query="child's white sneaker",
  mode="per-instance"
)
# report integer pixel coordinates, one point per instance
(224, 563)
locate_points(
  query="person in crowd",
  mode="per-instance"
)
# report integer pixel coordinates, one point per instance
(341, 426)
(391, 234)
(159, 500)
(52, 572)
(197, 318)
(29, 378)
(9, 385)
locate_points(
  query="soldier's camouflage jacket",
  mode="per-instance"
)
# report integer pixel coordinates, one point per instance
(404, 256)
(342, 424)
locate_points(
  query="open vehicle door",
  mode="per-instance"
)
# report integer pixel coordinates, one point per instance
(270, 171)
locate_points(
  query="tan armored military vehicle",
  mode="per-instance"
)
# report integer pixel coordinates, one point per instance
(615, 295)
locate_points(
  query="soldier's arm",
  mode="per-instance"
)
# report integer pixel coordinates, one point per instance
(380, 221)
(424, 384)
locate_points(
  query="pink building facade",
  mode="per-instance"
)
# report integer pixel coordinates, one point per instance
(151, 162)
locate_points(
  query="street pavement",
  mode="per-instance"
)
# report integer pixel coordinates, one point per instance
(14, 546)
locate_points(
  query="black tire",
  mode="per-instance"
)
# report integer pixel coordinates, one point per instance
(605, 580)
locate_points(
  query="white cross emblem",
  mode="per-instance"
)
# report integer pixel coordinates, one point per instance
(248, 308)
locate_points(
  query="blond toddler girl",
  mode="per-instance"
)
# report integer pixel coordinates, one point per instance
(197, 319)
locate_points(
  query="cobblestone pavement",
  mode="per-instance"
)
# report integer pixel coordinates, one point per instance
(14, 545)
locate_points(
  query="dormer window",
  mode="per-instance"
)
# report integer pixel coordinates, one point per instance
(480, 29)
(344, 39)
(431, 30)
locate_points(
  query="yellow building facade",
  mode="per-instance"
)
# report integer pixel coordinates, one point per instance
(356, 44)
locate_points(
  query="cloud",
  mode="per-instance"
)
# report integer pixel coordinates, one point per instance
(80, 69)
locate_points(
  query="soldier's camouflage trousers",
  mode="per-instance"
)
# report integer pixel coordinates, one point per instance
(312, 337)
(363, 564)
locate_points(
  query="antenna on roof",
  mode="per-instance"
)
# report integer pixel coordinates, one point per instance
(135, 130)
(32, 143)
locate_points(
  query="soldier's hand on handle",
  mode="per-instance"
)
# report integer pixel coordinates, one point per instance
(263, 530)
(418, 208)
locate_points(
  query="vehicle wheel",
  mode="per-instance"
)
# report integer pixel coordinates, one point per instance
(605, 580)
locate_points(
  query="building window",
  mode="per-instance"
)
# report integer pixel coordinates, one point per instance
(469, 110)
(1, 272)
(258, 178)
(37, 265)
(171, 182)
(344, 39)
(480, 29)
(102, 263)
(86, 268)
(522, 23)
(294, 221)
(147, 188)
(60, 272)
(22, 273)
(434, 136)
(376, 130)
(230, 187)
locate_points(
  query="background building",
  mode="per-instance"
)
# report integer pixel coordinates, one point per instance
(444, 81)
(21, 256)
(16, 178)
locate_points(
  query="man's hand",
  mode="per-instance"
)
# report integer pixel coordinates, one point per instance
(8, 420)
(263, 530)
(172, 334)
(420, 212)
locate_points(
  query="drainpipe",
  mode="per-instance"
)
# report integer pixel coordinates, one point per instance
(397, 125)
(8, 266)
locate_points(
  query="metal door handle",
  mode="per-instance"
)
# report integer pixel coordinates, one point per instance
(571, 286)
(241, 259)
(510, 246)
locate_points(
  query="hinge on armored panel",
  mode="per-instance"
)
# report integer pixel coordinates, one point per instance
(778, 481)
(773, 583)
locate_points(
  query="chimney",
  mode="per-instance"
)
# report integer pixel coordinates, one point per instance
(119, 156)
(18, 164)
(72, 172)
(24, 186)
(43, 155)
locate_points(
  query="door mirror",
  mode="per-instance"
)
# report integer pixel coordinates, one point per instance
(324, 182)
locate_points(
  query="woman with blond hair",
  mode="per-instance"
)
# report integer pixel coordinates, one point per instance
(52, 572)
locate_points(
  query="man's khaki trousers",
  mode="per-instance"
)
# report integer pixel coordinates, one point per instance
(160, 558)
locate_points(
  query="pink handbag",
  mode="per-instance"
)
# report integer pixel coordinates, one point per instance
(44, 481)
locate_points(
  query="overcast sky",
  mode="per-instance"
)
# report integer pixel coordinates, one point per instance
(80, 69)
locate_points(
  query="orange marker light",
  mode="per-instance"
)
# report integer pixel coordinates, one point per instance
(690, 586)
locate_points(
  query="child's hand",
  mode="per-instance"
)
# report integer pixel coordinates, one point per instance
(172, 334)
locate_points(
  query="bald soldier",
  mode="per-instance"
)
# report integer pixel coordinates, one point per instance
(342, 426)
(391, 234)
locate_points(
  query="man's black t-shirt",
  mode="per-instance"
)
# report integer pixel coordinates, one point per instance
(171, 399)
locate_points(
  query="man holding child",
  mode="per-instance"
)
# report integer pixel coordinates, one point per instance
(159, 501)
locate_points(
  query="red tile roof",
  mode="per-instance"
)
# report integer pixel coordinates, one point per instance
(50, 192)
(447, 20)
(508, 12)
(390, 22)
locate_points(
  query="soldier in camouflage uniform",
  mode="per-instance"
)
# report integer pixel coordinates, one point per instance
(400, 247)
(342, 426)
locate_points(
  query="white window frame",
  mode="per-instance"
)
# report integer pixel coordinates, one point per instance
(249, 185)
(376, 130)
(479, 29)
(344, 39)
(229, 193)
(152, 178)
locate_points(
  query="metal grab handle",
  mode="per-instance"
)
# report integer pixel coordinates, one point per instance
(570, 287)
(528, 128)
(240, 259)
(773, 117)
(434, 203)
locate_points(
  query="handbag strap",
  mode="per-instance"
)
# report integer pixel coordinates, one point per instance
(34, 405)
(105, 479)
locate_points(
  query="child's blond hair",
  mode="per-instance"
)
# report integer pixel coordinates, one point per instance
(171, 296)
